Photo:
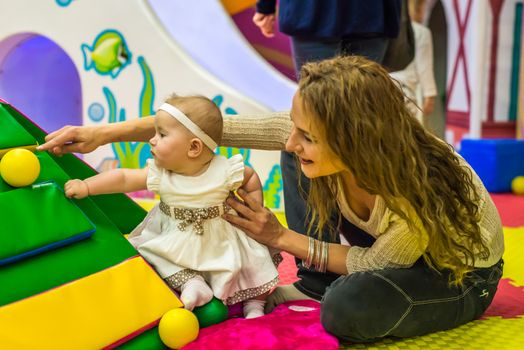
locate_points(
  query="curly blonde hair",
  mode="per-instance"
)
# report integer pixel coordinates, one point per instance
(356, 103)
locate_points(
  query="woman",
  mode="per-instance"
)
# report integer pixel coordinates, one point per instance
(426, 251)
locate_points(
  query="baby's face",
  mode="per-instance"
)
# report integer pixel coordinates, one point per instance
(171, 143)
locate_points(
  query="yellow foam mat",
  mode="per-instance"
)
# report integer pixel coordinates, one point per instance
(492, 332)
(89, 313)
(514, 256)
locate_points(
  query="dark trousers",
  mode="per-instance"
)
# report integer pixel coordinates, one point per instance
(311, 282)
(367, 306)
(402, 302)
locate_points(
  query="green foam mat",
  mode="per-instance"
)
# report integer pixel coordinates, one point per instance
(33, 228)
(121, 210)
(12, 133)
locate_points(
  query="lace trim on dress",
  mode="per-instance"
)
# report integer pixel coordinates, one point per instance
(176, 280)
(251, 293)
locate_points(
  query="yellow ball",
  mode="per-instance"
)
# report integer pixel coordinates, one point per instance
(19, 167)
(517, 185)
(177, 328)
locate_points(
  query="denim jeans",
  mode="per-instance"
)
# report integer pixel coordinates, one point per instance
(367, 306)
(306, 49)
(311, 282)
(404, 302)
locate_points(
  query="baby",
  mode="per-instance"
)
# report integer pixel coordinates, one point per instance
(184, 237)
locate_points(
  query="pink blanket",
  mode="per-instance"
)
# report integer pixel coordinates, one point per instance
(292, 325)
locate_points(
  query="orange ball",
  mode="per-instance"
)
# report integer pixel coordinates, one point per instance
(19, 167)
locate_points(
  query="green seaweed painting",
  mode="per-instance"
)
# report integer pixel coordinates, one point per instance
(133, 154)
(273, 187)
(147, 95)
(228, 152)
(126, 152)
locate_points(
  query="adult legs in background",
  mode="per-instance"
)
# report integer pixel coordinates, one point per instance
(311, 282)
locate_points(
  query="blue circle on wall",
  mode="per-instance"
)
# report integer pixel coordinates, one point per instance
(64, 3)
(96, 112)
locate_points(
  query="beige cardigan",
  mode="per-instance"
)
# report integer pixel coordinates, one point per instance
(395, 245)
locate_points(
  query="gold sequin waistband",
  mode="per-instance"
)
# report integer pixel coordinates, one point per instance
(194, 216)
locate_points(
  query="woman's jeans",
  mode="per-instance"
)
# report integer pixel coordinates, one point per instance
(367, 306)
(403, 302)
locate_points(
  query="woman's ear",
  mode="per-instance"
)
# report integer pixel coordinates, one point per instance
(196, 146)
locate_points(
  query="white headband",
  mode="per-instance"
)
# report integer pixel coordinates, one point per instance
(188, 123)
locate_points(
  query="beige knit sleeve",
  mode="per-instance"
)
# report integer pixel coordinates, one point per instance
(264, 131)
(397, 246)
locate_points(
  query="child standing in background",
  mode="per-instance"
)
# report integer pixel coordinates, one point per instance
(185, 238)
(418, 79)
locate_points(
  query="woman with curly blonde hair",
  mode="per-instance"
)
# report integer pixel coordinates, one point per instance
(433, 255)
(418, 243)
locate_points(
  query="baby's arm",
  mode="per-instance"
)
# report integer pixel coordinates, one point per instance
(252, 185)
(113, 181)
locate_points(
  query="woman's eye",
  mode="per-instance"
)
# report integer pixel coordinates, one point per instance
(307, 138)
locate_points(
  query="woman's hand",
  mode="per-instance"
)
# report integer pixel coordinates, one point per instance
(258, 222)
(69, 139)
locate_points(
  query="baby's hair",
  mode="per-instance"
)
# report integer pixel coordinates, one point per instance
(202, 111)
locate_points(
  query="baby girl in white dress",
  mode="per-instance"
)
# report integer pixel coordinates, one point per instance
(185, 238)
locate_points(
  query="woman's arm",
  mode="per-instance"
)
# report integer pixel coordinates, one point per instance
(298, 245)
(263, 226)
(85, 139)
(262, 131)
(265, 131)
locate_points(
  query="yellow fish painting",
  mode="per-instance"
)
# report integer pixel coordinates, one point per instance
(108, 54)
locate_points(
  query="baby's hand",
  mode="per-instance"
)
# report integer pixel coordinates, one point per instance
(76, 189)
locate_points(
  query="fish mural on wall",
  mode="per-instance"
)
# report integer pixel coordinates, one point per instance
(108, 55)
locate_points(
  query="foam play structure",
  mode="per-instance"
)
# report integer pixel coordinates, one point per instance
(71, 278)
(497, 162)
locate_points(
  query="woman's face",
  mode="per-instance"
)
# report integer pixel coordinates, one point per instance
(315, 156)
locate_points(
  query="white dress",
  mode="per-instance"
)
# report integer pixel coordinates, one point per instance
(418, 78)
(235, 266)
